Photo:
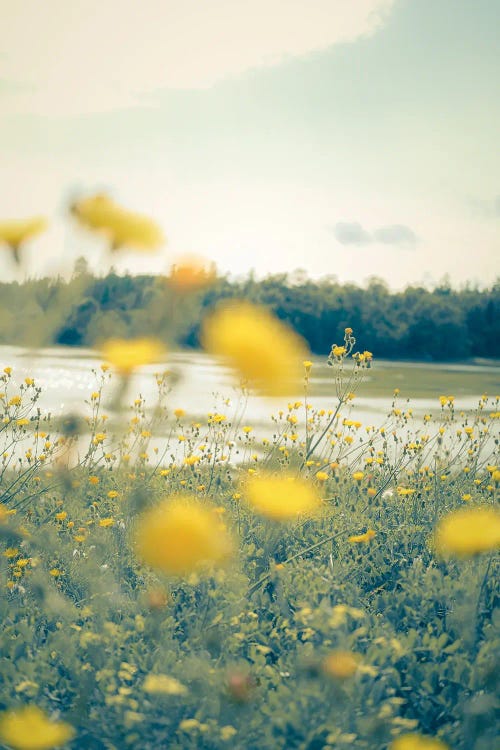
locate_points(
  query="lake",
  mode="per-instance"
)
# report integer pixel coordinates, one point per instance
(66, 377)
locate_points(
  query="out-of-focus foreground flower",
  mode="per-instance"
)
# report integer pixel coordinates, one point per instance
(417, 742)
(181, 536)
(123, 228)
(191, 273)
(128, 354)
(266, 352)
(340, 664)
(468, 532)
(282, 498)
(30, 729)
(15, 232)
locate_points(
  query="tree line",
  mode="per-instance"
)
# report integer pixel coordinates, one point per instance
(441, 324)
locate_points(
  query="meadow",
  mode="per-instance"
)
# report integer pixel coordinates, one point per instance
(179, 582)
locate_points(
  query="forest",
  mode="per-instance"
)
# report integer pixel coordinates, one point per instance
(442, 324)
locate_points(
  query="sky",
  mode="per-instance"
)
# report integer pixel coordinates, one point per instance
(349, 138)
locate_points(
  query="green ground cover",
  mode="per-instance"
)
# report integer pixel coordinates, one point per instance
(347, 629)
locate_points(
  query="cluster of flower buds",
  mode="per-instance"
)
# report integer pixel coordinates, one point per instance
(363, 359)
(340, 352)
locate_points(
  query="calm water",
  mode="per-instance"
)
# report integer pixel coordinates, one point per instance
(66, 377)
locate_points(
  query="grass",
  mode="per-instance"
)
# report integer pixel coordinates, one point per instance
(307, 639)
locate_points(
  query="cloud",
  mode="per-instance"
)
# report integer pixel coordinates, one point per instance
(95, 55)
(353, 233)
(488, 208)
(395, 234)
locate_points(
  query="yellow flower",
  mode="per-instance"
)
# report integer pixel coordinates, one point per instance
(29, 728)
(121, 227)
(14, 401)
(282, 497)
(340, 664)
(227, 732)
(191, 460)
(105, 522)
(321, 476)
(417, 742)
(360, 538)
(10, 552)
(15, 232)
(338, 351)
(62, 516)
(403, 491)
(55, 572)
(163, 684)
(358, 476)
(94, 480)
(191, 273)
(179, 413)
(126, 355)
(265, 351)
(180, 535)
(468, 531)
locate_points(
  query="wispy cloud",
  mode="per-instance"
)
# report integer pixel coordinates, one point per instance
(353, 233)
(95, 55)
(488, 208)
(395, 234)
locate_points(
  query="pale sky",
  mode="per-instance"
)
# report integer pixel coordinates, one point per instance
(345, 137)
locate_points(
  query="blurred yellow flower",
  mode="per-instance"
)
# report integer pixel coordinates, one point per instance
(360, 538)
(281, 497)
(125, 355)
(181, 535)
(191, 273)
(163, 684)
(30, 729)
(266, 352)
(15, 232)
(227, 732)
(417, 742)
(358, 476)
(340, 664)
(468, 531)
(122, 228)
(106, 522)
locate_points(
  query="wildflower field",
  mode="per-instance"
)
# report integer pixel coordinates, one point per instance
(330, 585)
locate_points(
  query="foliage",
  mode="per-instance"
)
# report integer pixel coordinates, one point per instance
(442, 324)
(319, 635)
